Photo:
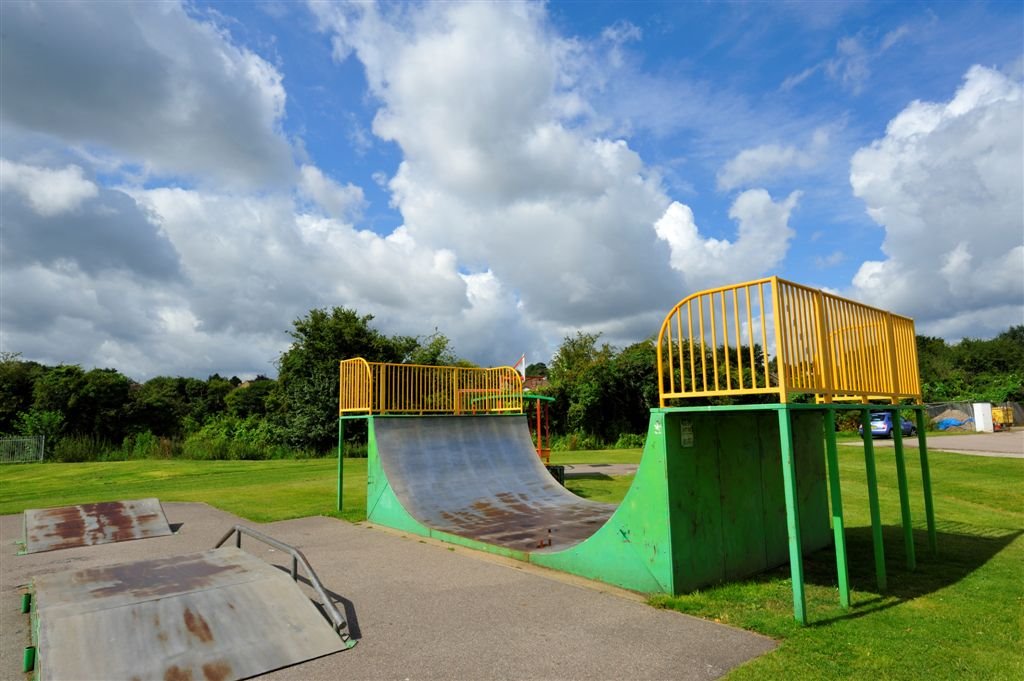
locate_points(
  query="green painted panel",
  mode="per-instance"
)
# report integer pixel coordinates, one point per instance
(811, 485)
(706, 504)
(633, 550)
(742, 497)
(696, 500)
(776, 539)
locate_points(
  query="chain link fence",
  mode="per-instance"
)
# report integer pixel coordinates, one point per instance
(22, 449)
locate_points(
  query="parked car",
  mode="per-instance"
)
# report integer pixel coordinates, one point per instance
(882, 425)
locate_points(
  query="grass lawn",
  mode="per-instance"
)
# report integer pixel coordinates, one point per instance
(960, 615)
(262, 491)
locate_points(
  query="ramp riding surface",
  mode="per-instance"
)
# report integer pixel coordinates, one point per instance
(49, 529)
(480, 478)
(217, 615)
(706, 503)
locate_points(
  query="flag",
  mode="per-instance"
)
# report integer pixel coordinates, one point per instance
(521, 366)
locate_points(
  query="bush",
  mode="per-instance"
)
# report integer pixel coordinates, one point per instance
(575, 441)
(77, 449)
(630, 441)
(231, 438)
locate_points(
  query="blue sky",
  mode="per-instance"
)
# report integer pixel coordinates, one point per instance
(180, 181)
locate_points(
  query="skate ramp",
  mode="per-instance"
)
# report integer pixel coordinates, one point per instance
(49, 529)
(480, 478)
(217, 615)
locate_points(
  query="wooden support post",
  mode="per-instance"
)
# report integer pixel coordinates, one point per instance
(876, 517)
(796, 558)
(901, 480)
(838, 527)
(926, 480)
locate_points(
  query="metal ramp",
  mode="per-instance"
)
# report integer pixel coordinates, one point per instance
(479, 477)
(217, 615)
(49, 529)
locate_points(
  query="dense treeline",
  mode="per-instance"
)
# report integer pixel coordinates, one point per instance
(602, 393)
(102, 414)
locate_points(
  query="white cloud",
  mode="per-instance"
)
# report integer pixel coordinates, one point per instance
(49, 191)
(852, 63)
(768, 161)
(830, 260)
(341, 202)
(946, 183)
(760, 245)
(163, 89)
(499, 163)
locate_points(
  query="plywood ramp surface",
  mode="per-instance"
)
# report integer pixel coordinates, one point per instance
(49, 529)
(216, 615)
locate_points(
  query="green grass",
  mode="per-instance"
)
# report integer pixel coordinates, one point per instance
(959, 615)
(262, 491)
(597, 456)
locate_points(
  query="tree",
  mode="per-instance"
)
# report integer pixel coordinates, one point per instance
(17, 380)
(250, 399)
(61, 389)
(537, 369)
(307, 385)
(37, 422)
(576, 354)
(433, 350)
(159, 405)
(105, 396)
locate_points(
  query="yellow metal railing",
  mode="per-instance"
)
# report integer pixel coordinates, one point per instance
(772, 336)
(379, 388)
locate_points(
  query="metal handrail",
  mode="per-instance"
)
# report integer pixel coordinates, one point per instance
(298, 558)
(775, 337)
(387, 388)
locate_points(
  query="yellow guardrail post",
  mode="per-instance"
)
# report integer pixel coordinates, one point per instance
(890, 338)
(824, 348)
(780, 344)
(835, 349)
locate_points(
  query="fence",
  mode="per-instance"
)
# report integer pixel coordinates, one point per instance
(774, 337)
(379, 388)
(22, 449)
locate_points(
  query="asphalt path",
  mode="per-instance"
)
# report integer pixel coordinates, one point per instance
(1007, 444)
(424, 610)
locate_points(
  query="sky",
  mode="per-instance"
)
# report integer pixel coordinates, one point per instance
(180, 181)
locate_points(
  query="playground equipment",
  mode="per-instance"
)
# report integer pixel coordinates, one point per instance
(49, 529)
(217, 614)
(539, 420)
(722, 491)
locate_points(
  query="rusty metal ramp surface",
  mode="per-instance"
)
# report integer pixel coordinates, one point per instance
(217, 615)
(480, 477)
(49, 529)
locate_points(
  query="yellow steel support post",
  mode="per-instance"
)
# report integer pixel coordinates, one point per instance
(780, 349)
(890, 338)
(824, 349)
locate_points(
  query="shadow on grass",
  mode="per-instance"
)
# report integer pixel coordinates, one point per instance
(962, 549)
(587, 476)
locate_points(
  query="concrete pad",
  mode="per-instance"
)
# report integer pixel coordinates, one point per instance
(422, 610)
(1005, 445)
